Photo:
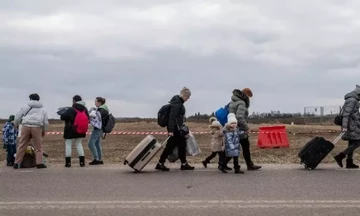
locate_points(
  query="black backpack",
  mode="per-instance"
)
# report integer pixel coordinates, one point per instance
(163, 115)
(109, 126)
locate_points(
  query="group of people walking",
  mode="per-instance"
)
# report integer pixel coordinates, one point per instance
(31, 122)
(226, 142)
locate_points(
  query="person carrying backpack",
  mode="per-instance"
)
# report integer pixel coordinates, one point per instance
(76, 126)
(351, 126)
(101, 112)
(239, 105)
(176, 130)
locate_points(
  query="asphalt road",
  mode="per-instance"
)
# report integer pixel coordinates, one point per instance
(115, 190)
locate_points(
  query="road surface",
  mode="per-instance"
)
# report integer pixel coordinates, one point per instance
(115, 190)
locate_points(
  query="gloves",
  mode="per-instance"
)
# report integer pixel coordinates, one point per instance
(5, 146)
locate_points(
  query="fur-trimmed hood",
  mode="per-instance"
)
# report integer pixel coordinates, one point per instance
(214, 123)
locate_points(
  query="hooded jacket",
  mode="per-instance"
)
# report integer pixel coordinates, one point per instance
(177, 113)
(69, 118)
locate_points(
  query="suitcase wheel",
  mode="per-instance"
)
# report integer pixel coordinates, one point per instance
(125, 162)
(136, 171)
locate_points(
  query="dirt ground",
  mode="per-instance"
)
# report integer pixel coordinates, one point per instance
(117, 147)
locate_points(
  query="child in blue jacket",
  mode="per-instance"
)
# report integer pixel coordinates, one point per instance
(10, 134)
(232, 144)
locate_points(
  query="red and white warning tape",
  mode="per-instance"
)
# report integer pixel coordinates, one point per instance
(197, 132)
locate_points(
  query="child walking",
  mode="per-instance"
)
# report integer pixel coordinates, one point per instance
(217, 143)
(10, 134)
(232, 144)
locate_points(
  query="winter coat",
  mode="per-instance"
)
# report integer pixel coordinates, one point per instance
(9, 134)
(177, 113)
(239, 105)
(217, 138)
(351, 115)
(232, 141)
(36, 117)
(69, 118)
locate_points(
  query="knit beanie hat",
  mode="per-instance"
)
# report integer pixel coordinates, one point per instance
(248, 92)
(11, 118)
(214, 122)
(232, 118)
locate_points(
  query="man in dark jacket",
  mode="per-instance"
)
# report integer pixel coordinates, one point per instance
(70, 133)
(239, 105)
(176, 120)
(351, 127)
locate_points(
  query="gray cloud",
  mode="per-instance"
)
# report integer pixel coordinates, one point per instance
(138, 54)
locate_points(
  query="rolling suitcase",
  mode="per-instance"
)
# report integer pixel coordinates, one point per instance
(141, 155)
(316, 150)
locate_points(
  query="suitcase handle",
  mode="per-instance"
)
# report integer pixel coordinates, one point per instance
(338, 137)
(165, 142)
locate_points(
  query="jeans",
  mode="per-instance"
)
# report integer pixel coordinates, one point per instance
(79, 147)
(11, 150)
(95, 145)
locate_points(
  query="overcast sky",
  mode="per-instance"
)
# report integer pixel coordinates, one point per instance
(139, 53)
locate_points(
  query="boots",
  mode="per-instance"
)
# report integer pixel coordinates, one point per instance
(350, 164)
(41, 166)
(82, 161)
(251, 166)
(238, 171)
(68, 162)
(338, 158)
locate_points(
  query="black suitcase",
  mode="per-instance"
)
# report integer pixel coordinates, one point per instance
(315, 151)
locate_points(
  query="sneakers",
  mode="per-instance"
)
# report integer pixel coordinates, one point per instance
(161, 167)
(251, 167)
(186, 167)
(95, 162)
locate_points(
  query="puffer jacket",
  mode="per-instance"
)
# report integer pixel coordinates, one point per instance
(351, 115)
(217, 138)
(232, 141)
(36, 117)
(239, 105)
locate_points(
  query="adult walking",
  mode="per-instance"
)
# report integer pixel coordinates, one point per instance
(351, 127)
(177, 137)
(76, 125)
(100, 113)
(34, 120)
(239, 105)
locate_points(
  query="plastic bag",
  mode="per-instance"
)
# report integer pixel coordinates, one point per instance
(192, 149)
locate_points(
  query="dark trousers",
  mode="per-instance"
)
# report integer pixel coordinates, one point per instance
(235, 161)
(174, 141)
(352, 145)
(213, 155)
(245, 145)
(11, 150)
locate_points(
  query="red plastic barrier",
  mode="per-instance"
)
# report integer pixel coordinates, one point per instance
(273, 137)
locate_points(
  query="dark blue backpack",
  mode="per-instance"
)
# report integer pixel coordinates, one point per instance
(222, 113)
